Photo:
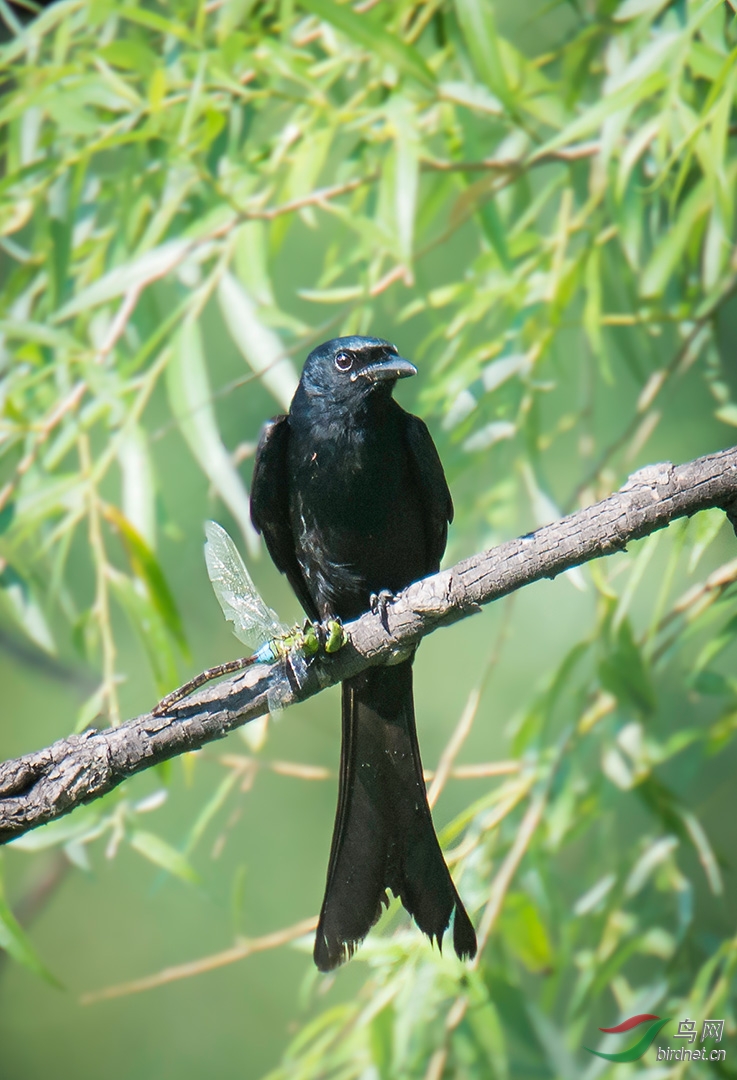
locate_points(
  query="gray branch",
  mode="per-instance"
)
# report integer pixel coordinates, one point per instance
(42, 786)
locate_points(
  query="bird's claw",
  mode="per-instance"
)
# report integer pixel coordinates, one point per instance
(379, 603)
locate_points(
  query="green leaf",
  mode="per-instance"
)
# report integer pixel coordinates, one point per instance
(17, 944)
(339, 295)
(406, 180)
(631, 9)
(162, 854)
(703, 530)
(727, 414)
(148, 624)
(91, 708)
(381, 1034)
(153, 21)
(717, 644)
(83, 822)
(7, 514)
(668, 254)
(19, 329)
(592, 119)
(149, 267)
(471, 95)
(210, 809)
(260, 347)
(486, 1029)
(139, 486)
(525, 933)
(146, 567)
(127, 53)
(533, 721)
(624, 673)
(704, 850)
(20, 600)
(495, 231)
(365, 30)
(476, 18)
(191, 403)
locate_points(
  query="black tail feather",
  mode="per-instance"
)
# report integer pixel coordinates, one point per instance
(384, 835)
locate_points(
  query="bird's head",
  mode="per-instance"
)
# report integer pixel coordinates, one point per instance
(353, 369)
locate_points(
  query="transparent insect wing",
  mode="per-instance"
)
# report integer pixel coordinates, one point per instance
(253, 621)
(278, 692)
(298, 663)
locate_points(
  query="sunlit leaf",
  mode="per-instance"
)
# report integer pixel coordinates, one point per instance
(146, 567)
(368, 32)
(624, 672)
(17, 944)
(147, 623)
(666, 258)
(260, 346)
(17, 596)
(481, 35)
(149, 267)
(525, 932)
(631, 9)
(162, 854)
(191, 402)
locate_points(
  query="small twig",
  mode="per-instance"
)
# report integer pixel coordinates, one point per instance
(397, 273)
(499, 888)
(119, 323)
(505, 874)
(314, 198)
(653, 387)
(301, 771)
(240, 951)
(296, 769)
(39, 893)
(465, 723)
(42, 432)
(479, 771)
(576, 152)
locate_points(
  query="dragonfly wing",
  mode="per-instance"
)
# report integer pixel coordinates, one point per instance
(253, 621)
(298, 663)
(279, 690)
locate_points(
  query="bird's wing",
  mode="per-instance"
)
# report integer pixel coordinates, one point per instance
(431, 480)
(270, 506)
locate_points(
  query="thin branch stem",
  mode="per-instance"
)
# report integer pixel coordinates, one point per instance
(240, 951)
(465, 723)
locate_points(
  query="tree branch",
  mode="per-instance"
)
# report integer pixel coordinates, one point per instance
(42, 786)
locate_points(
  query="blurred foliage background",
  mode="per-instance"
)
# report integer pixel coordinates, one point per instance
(536, 202)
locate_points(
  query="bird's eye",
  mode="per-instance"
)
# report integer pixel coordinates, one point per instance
(343, 361)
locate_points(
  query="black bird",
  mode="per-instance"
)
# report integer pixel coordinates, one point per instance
(351, 498)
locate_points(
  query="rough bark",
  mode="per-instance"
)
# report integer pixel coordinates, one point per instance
(42, 786)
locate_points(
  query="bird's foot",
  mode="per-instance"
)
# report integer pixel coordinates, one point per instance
(379, 603)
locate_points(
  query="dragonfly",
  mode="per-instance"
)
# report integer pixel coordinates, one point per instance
(256, 625)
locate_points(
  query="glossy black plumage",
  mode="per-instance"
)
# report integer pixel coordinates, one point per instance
(351, 498)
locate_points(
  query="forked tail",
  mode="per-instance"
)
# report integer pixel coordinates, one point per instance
(384, 835)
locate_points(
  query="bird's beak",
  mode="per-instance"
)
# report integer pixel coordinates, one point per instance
(391, 367)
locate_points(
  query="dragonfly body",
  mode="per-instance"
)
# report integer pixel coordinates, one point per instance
(255, 624)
